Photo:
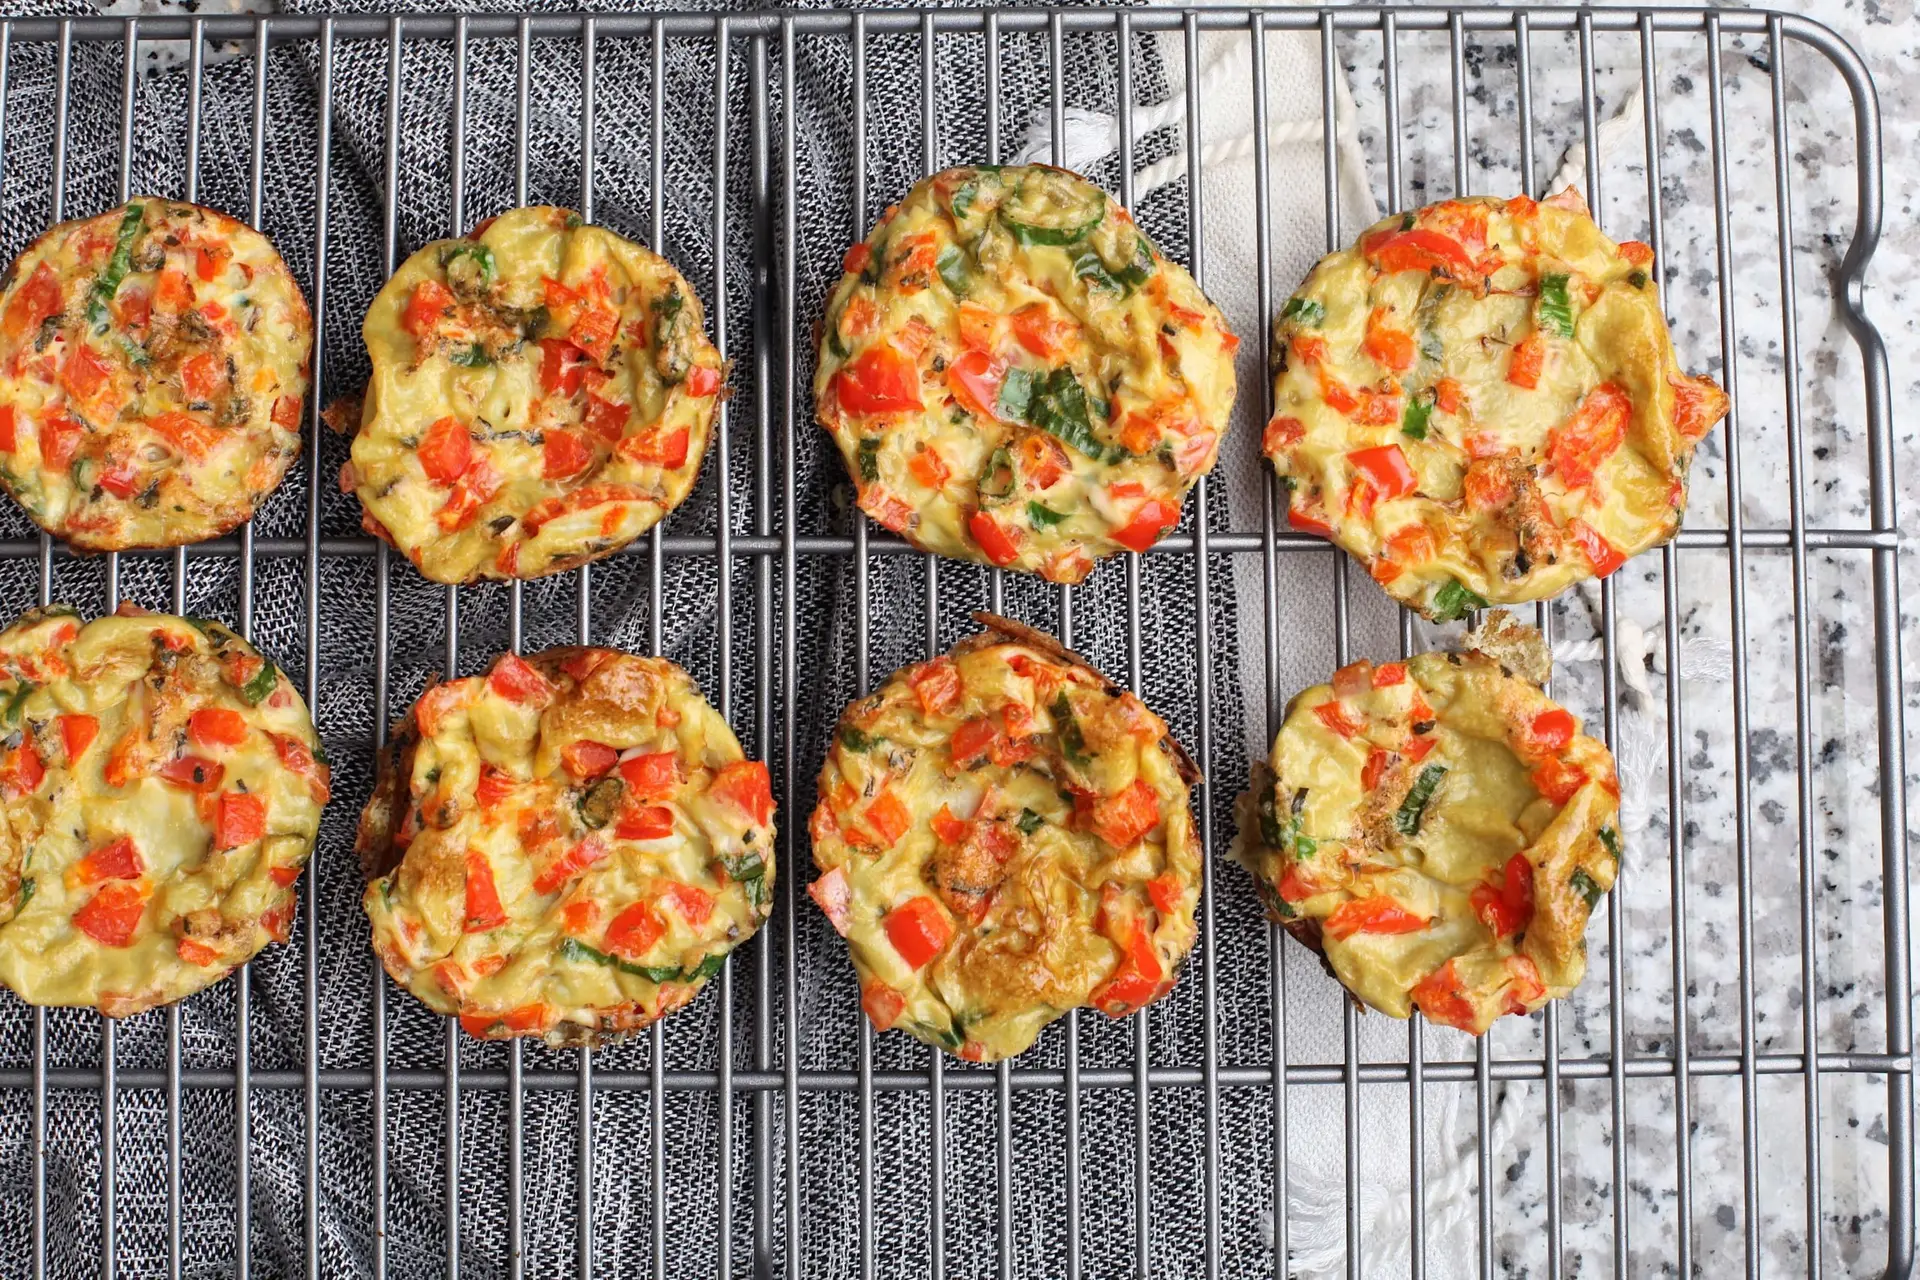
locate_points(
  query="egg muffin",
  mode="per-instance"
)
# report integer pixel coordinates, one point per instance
(567, 846)
(162, 787)
(153, 363)
(542, 394)
(1017, 377)
(1439, 830)
(1480, 402)
(1003, 835)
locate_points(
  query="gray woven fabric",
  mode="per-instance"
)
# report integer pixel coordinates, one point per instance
(332, 928)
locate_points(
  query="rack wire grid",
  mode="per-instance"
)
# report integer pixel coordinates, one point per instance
(1767, 1085)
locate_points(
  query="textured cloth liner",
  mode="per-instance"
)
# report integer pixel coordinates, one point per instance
(828, 1014)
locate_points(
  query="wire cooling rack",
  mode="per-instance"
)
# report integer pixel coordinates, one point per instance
(773, 1228)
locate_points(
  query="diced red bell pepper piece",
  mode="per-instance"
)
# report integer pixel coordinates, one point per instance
(84, 373)
(77, 732)
(1135, 980)
(1281, 433)
(1578, 447)
(194, 951)
(586, 759)
(1336, 717)
(200, 375)
(560, 367)
(1037, 328)
(564, 454)
(112, 914)
(1371, 915)
(1558, 781)
(1418, 250)
(972, 740)
(937, 685)
(928, 468)
(216, 727)
(1697, 404)
(1387, 345)
(1600, 553)
(835, 898)
(1549, 732)
(186, 434)
(1386, 469)
(570, 864)
(1123, 818)
(483, 898)
(746, 786)
(888, 818)
(446, 451)
(194, 773)
(974, 377)
(240, 819)
(1388, 674)
(919, 930)
(494, 787)
(993, 540)
(948, 829)
(1527, 359)
(651, 776)
(702, 380)
(117, 860)
(644, 822)
(883, 1005)
(1165, 891)
(632, 933)
(881, 379)
(1150, 519)
(516, 679)
(37, 299)
(1507, 909)
(667, 449)
(1441, 999)
(593, 331)
(694, 904)
(426, 307)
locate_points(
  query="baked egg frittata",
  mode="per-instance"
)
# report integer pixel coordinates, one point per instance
(567, 846)
(1438, 829)
(1480, 401)
(1017, 377)
(542, 394)
(162, 787)
(1003, 835)
(153, 364)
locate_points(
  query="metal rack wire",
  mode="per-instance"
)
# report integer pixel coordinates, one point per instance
(778, 553)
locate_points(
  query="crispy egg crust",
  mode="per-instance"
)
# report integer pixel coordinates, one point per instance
(542, 394)
(567, 846)
(1439, 830)
(1015, 376)
(162, 787)
(153, 362)
(1481, 403)
(1003, 835)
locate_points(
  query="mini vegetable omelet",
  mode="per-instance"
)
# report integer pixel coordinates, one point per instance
(1438, 829)
(1480, 401)
(542, 395)
(1015, 375)
(567, 846)
(153, 361)
(1004, 835)
(162, 787)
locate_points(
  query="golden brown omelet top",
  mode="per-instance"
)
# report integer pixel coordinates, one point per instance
(1440, 830)
(161, 787)
(567, 846)
(153, 362)
(1480, 401)
(542, 395)
(1003, 835)
(1017, 377)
